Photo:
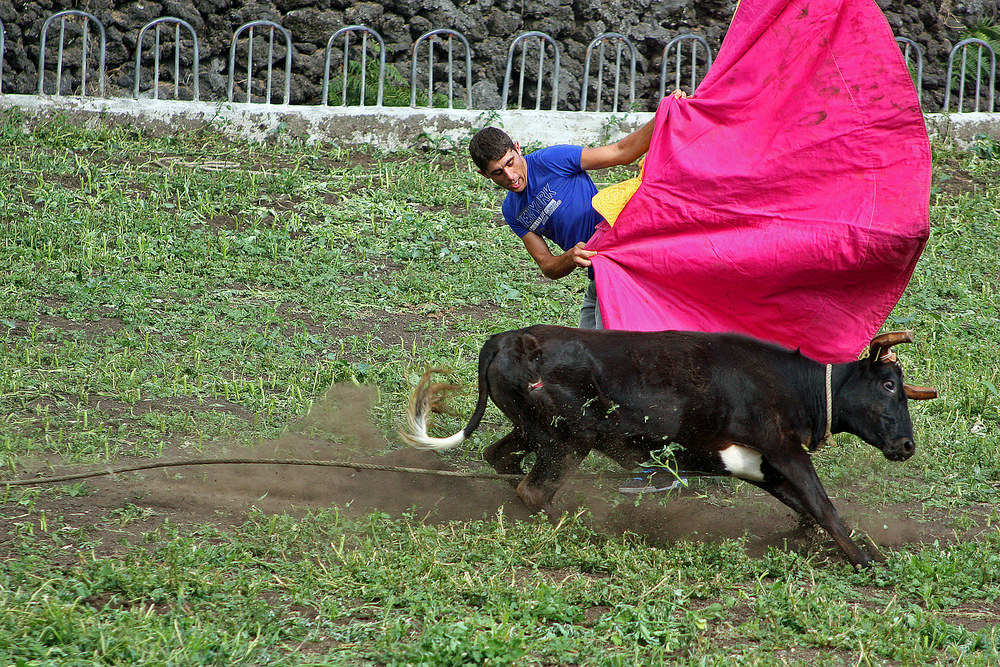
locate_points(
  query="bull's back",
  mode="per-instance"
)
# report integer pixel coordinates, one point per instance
(651, 383)
(679, 358)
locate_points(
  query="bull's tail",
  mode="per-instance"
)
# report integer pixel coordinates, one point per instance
(428, 397)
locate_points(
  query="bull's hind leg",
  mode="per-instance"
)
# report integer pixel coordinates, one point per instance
(506, 454)
(793, 481)
(552, 465)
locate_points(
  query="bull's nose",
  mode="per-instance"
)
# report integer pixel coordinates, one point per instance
(907, 448)
(901, 450)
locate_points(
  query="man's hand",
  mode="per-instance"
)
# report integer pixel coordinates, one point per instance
(556, 266)
(580, 256)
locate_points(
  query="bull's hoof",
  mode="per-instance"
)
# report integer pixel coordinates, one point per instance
(536, 500)
(868, 559)
(872, 551)
(864, 565)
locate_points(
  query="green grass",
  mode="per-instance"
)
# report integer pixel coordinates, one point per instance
(139, 295)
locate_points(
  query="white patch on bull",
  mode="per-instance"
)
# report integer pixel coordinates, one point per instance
(742, 462)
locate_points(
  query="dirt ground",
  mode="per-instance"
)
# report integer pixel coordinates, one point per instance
(117, 510)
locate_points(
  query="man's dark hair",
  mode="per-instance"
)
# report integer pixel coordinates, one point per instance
(489, 144)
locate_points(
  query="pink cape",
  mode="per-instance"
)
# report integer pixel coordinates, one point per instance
(788, 199)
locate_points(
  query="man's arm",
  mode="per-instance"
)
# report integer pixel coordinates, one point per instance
(624, 151)
(556, 266)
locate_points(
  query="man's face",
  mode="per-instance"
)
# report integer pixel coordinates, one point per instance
(509, 172)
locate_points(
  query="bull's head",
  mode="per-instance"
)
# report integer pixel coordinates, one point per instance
(872, 402)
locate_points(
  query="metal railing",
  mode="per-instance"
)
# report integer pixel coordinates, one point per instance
(178, 24)
(694, 65)
(347, 33)
(272, 27)
(979, 94)
(685, 60)
(433, 37)
(3, 34)
(526, 41)
(86, 20)
(909, 48)
(597, 47)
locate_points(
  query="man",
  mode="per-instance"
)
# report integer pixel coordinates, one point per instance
(550, 197)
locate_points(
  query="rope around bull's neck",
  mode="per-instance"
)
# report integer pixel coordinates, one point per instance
(829, 402)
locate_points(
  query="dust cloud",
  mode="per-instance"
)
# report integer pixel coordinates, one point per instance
(339, 427)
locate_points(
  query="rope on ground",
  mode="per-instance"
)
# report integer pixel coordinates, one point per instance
(211, 165)
(244, 461)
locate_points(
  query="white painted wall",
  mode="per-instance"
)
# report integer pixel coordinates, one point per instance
(391, 127)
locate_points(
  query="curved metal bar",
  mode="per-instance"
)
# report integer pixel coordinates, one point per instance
(3, 33)
(272, 26)
(524, 39)
(619, 41)
(963, 47)
(679, 41)
(431, 37)
(177, 23)
(347, 32)
(87, 18)
(908, 47)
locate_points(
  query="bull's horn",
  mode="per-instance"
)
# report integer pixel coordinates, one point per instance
(882, 343)
(890, 338)
(920, 393)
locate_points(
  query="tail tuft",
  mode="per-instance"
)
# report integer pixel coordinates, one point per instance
(428, 397)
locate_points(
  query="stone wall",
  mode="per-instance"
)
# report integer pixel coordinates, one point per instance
(489, 25)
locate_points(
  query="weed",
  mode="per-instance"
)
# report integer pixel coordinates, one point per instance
(985, 146)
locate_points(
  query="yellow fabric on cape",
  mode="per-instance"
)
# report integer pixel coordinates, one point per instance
(610, 201)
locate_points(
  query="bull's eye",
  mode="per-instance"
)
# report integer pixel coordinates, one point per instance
(889, 386)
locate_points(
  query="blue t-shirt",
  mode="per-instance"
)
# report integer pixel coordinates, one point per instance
(556, 203)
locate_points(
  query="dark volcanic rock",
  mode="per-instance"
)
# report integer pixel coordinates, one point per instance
(488, 25)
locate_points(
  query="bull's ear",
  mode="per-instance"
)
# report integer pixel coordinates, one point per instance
(880, 349)
(920, 393)
(530, 347)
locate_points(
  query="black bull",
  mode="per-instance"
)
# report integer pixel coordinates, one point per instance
(731, 405)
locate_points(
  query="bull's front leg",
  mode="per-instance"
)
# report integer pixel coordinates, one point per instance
(793, 481)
